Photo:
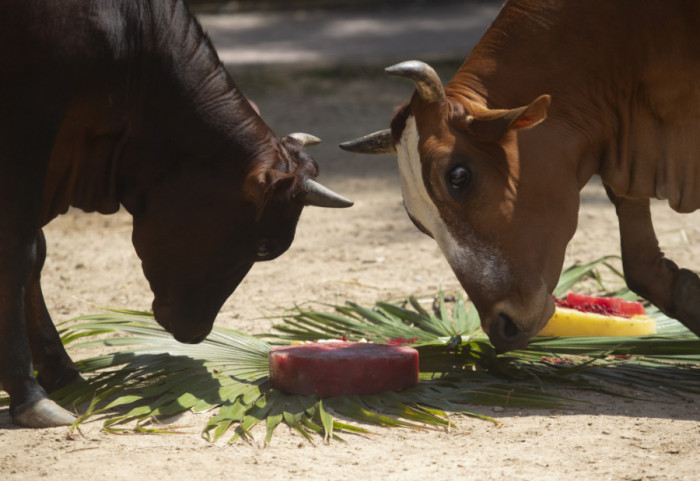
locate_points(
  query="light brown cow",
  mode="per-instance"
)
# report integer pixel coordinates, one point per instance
(595, 87)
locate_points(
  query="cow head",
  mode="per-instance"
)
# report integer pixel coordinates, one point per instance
(482, 184)
(200, 230)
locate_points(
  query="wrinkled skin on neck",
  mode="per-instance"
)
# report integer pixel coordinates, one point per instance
(504, 231)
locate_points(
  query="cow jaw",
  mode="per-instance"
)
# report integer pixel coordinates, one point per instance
(476, 264)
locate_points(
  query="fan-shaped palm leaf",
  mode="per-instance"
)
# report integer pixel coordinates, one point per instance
(151, 376)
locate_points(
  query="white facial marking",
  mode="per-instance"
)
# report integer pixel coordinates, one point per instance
(478, 260)
(415, 196)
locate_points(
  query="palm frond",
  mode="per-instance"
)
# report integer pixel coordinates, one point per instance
(147, 376)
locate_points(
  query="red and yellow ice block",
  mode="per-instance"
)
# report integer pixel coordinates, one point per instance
(570, 322)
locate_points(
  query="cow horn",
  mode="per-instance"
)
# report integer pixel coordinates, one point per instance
(377, 143)
(320, 196)
(307, 140)
(427, 82)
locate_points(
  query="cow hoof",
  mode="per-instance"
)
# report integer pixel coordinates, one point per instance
(44, 414)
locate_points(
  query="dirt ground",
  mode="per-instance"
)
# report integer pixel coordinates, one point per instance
(365, 253)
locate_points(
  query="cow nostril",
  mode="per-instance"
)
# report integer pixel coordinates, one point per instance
(507, 329)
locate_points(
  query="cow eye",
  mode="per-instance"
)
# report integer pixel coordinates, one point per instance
(459, 177)
(263, 249)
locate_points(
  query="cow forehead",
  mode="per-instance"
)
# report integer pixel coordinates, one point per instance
(464, 255)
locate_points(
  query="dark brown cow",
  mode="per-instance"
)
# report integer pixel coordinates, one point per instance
(555, 92)
(110, 103)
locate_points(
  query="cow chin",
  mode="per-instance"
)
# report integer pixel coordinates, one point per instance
(185, 328)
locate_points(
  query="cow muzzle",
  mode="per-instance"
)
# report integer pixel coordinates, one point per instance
(510, 329)
(506, 335)
(185, 329)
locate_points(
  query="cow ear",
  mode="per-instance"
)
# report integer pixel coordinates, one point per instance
(262, 185)
(492, 125)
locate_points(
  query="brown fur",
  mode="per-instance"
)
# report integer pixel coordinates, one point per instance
(625, 105)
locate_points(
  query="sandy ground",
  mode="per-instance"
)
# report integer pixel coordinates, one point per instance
(365, 253)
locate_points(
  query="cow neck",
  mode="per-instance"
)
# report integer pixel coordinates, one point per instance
(187, 110)
(158, 96)
(212, 105)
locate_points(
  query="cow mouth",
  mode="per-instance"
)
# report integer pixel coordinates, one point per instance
(184, 328)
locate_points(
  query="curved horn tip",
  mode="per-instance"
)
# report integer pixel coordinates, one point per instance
(380, 142)
(307, 140)
(425, 78)
(401, 67)
(321, 196)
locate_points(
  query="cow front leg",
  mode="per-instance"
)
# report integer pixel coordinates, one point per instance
(648, 272)
(55, 368)
(29, 404)
(26, 142)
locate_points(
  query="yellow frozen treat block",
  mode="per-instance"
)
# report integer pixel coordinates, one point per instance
(573, 323)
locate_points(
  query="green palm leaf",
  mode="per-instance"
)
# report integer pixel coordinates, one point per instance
(148, 376)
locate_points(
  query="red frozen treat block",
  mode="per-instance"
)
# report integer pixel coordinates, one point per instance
(342, 368)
